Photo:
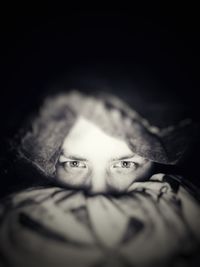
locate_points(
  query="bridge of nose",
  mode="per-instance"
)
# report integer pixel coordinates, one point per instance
(98, 182)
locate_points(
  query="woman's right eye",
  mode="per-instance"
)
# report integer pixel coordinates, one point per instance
(74, 164)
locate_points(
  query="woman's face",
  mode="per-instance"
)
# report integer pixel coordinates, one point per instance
(93, 160)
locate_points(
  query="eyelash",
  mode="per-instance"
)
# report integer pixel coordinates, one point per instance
(79, 164)
(72, 164)
(120, 164)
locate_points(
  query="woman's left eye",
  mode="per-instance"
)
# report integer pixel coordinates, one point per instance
(125, 164)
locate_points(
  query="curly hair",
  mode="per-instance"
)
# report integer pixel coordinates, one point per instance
(41, 144)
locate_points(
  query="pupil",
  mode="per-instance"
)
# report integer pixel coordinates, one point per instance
(125, 163)
(74, 163)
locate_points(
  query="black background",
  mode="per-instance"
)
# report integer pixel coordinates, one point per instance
(150, 59)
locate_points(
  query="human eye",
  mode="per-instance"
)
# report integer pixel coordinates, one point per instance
(75, 164)
(125, 164)
(73, 171)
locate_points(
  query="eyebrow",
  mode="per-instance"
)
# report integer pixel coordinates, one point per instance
(77, 157)
(73, 157)
(130, 156)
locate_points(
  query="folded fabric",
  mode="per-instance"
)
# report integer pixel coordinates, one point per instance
(155, 224)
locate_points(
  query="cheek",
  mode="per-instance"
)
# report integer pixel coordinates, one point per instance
(73, 178)
(143, 171)
(120, 181)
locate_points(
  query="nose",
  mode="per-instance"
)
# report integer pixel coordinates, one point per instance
(98, 182)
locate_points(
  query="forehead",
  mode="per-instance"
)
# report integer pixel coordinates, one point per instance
(88, 140)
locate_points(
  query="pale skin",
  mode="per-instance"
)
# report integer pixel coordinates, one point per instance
(93, 160)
